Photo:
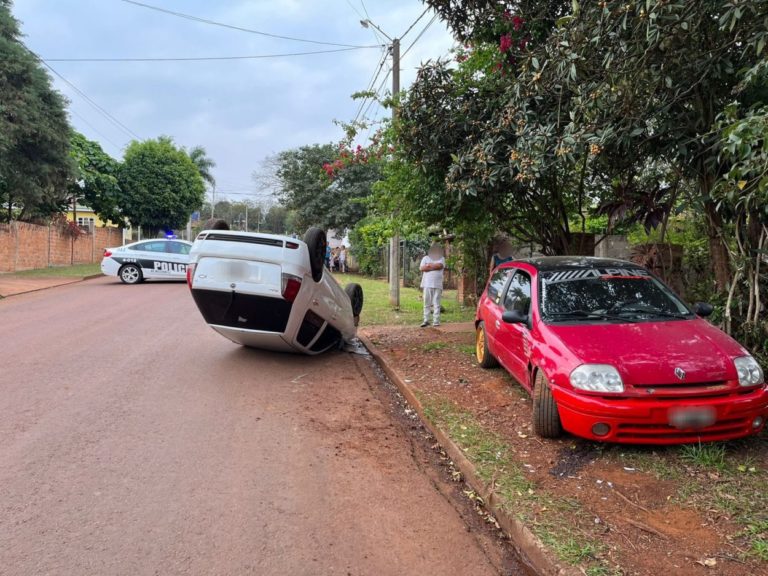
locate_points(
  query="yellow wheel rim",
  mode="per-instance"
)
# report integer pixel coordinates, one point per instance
(480, 345)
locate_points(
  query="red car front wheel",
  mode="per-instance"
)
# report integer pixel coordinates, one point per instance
(546, 418)
(484, 357)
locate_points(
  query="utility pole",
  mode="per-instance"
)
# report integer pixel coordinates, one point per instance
(394, 242)
(394, 246)
(213, 199)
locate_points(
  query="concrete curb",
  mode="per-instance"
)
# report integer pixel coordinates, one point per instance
(531, 549)
(63, 283)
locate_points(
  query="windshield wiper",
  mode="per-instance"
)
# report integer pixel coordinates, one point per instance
(650, 311)
(580, 315)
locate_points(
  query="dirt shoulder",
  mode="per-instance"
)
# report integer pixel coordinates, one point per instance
(605, 509)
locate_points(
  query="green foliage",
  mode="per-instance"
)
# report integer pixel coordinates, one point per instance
(319, 200)
(161, 185)
(95, 182)
(34, 131)
(369, 240)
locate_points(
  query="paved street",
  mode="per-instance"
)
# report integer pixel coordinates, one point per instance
(137, 441)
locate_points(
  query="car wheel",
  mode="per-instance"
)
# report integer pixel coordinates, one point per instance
(546, 418)
(483, 355)
(317, 243)
(355, 293)
(131, 274)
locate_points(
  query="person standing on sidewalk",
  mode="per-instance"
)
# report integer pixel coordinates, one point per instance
(432, 267)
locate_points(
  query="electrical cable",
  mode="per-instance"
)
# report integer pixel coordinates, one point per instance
(239, 28)
(404, 34)
(419, 36)
(201, 58)
(371, 84)
(88, 99)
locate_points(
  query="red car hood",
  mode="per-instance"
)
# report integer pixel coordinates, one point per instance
(648, 352)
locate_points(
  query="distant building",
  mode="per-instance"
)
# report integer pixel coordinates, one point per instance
(88, 219)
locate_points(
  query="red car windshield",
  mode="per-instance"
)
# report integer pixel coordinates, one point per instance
(607, 295)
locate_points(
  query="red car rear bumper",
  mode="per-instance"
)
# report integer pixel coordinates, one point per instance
(647, 420)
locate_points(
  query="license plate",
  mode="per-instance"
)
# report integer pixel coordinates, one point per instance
(699, 417)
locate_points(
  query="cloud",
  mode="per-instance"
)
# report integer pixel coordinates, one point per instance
(241, 111)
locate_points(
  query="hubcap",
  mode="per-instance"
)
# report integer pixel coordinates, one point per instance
(130, 275)
(480, 345)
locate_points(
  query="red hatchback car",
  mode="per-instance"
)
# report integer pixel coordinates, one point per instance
(610, 353)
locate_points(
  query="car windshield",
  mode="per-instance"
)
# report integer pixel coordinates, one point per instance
(607, 295)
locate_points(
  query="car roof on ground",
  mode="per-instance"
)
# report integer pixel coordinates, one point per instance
(547, 263)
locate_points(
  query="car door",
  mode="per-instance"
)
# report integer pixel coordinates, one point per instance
(514, 339)
(177, 257)
(492, 310)
(144, 254)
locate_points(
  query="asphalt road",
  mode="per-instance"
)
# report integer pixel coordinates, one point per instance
(134, 440)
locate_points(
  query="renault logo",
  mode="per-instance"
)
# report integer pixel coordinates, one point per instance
(680, 373)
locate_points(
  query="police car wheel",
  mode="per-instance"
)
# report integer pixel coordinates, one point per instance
(130, 274)
(317, 243)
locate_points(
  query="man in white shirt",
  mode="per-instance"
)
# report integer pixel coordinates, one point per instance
(432, 267)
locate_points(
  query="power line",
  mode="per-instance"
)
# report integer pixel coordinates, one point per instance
(371, 84)
(362, 3)
(200, 58)
(420, 35)
(88, 99)
(239, 28)
(404, 34)
(96, 130)
(377, 98)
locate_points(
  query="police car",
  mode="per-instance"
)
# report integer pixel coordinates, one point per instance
(272, 292)
(159, 258)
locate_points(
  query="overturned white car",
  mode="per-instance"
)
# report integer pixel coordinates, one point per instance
(272, 292)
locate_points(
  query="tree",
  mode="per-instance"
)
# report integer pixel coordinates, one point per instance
(321, 193)
(34, 131)
(557, 107)
(653, 77)
(495, 143)
(161, 185)
(204, 164)
(95, 182)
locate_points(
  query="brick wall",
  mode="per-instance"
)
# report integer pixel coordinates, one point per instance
(27, 246)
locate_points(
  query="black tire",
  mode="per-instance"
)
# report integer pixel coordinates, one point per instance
(317, 243)
(130, 274)
(546, 418)
(483, 355)
(355, 293)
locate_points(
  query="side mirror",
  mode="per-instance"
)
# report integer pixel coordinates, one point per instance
(514, 317)
(703, 309)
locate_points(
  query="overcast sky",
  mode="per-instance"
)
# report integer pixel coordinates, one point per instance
(240, 110)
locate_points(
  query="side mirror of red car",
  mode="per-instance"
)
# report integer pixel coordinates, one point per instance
(514, 317)
(703, 309)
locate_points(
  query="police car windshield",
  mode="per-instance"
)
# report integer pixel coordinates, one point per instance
(607, 295)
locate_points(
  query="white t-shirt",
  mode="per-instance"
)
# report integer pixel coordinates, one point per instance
(432, 278)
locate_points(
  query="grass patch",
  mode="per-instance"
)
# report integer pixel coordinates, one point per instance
(710, 456)
(76, 271)
(432, 346)
(550, 518)
(378, 312)
(466, 349)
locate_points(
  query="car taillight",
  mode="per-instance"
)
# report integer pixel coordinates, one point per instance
(107, 253)
(292, 245)
(291, 286)
(190, 274)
